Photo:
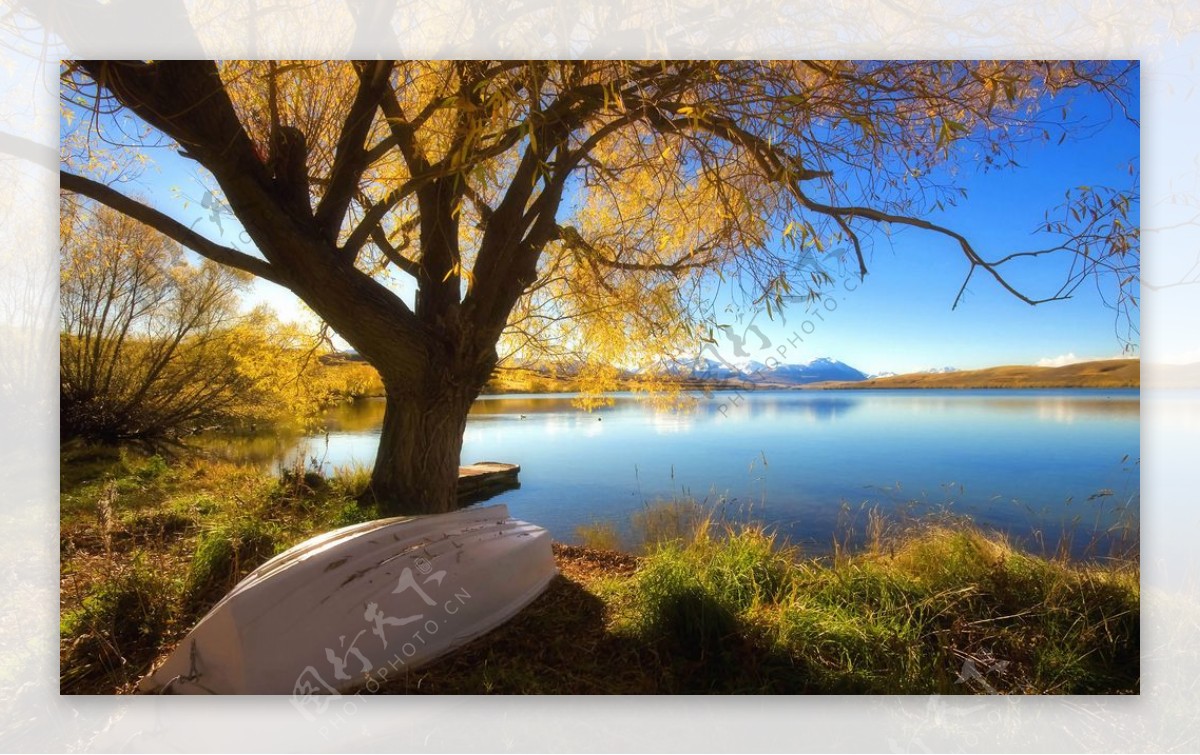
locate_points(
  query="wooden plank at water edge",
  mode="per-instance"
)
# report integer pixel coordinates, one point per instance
(485, 479)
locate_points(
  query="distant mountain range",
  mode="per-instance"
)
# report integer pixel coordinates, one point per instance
(826, 372)
(702, 370)
(818, 370)
(930, 371)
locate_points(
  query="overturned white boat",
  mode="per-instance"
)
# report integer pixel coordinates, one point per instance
(366, 602)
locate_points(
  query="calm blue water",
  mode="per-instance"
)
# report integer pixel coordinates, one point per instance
(1020, 461)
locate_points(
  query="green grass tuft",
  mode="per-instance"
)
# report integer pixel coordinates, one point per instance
(351, 512)
(697, 599)
(224, 554)
(351, 480)
(669, 521)
(599, 536)
(934, 609)
(152, 469)
(118, 626)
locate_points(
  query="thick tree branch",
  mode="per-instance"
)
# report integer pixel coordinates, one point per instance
(482, 207)
(380, 148)
(393, 254)
(511, 267)
(439, 204)
(404, 138)
(187, 101)
(351, 159)
(170, 227)
(515, 237)
(373, 217)
(403, 133)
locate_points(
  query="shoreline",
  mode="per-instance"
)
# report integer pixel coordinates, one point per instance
(1110, 374)
(757, 387)
(149, 545)
(1099, 374)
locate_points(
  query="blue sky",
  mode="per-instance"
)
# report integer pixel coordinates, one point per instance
(899, 318)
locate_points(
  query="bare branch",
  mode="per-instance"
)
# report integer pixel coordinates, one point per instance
(570, 236)
(879, 216)
(771, 162)
(170, 227)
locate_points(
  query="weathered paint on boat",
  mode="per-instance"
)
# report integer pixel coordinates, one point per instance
(372, 600)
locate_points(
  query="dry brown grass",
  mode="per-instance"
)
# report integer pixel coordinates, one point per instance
(1107, 373)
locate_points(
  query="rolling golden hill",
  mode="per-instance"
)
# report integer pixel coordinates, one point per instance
(1105, 373)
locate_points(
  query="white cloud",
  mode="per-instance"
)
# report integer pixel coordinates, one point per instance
(1062, 360)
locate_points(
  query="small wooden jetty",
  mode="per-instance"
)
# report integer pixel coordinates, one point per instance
(484, 479)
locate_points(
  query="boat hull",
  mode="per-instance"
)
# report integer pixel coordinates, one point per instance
(370, 601)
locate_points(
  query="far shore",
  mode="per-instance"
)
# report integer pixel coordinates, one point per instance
(1100, 374)
(1106, 373)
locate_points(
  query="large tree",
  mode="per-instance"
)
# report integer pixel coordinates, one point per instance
(518, 196)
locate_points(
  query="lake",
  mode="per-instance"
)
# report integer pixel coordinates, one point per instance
(807, 462)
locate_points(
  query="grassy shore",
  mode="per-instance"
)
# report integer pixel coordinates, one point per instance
(149, 544)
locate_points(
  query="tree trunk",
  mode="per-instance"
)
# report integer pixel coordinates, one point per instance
(416, 467)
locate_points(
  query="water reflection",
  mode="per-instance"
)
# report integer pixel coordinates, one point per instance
(262, 448)
(367, 415)
(547, 403)
(794, 456)
(364, 415)
(1055, 406)
(815, 407)
(666, 422)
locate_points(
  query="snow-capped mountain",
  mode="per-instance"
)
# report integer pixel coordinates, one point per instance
(881, 375)
(939, 370)
(814, 371)
(699, 369)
